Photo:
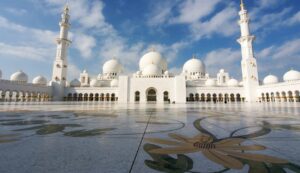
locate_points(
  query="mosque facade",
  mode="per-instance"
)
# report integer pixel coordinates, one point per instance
(153, 82)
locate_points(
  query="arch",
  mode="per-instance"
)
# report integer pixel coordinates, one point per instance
(151, 95)
(283, 96)
(277, 96)
(197, 98)
(238, 98)
(232, 99)
(101, 97)
(263, 97)
(290, 96)
(70, 98)
(220, 97)
(214, 97)
(137, 96)
(80, 97)
(75, 97)
(85, 97)
(226, 98)
(208, 97)
(91, 97)
(267, 97)
(202, 97)
(272, 97)
(166, 96)
(191, 97)
(297, 96)
(113, 97)
(96, 97)
(107, 97)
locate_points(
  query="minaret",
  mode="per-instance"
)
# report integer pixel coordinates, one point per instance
(61, 63)
(249, 65)
(60, 66)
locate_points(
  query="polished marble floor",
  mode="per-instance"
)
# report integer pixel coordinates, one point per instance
(121, 138)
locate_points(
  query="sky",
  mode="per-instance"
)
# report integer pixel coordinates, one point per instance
(127, 29)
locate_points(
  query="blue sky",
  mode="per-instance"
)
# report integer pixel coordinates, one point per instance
(126, 29)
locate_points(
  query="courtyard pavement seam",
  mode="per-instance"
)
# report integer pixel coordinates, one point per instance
(141, 141)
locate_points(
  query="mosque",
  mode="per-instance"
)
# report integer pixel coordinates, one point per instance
(153, 82)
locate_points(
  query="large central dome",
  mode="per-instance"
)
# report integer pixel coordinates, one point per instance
(155, 58)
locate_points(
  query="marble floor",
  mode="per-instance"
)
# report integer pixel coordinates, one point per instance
(121, 138)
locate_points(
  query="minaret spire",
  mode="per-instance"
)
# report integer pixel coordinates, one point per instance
(242, 5)
(59, 75)
(249, 65)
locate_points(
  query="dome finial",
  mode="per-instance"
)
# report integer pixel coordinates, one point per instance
(194, 56)
(242, 5)
(152, 49)
(66, 8)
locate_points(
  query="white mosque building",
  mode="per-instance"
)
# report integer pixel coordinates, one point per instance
(153, 82)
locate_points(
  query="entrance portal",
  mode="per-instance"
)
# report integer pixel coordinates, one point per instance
(151, 95)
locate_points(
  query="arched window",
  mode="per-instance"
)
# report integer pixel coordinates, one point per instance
(238, 98)
(91, 97)
(291, 98)
(80, 98)
(113, 97)
(70, 97)
(208, 98)
(214, 97)
(137, 96)
(101, 97)
(151, 95)
(191, 97)
(96, 97)
(232, 99)
(107, 97)
(297, 96)
(166, 96)
(197, 97)
(85, 97)
(202, 97)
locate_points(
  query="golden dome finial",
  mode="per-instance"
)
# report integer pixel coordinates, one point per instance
(152, 49)
(194, 56)
(242, 5)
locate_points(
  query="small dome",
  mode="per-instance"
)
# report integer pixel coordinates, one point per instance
(291, 75)
(19, 76)
(112, 66)
(233, 83)
(241, 83)
(194, 65)
(95, 83)
(210, 82)
(222, 71)
(153, 57)
(270, 79)
(39, 80)
(152, 70)
(75, 83)
(114, 83)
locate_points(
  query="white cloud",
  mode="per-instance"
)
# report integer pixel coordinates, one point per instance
(39, 35)
(223, 23)
(161, 13)
(25, 52)
(295, 19)
(15, 11)
(73, 72)
(279, 58)
(191, 11)
(226, 58)
(84, 44)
